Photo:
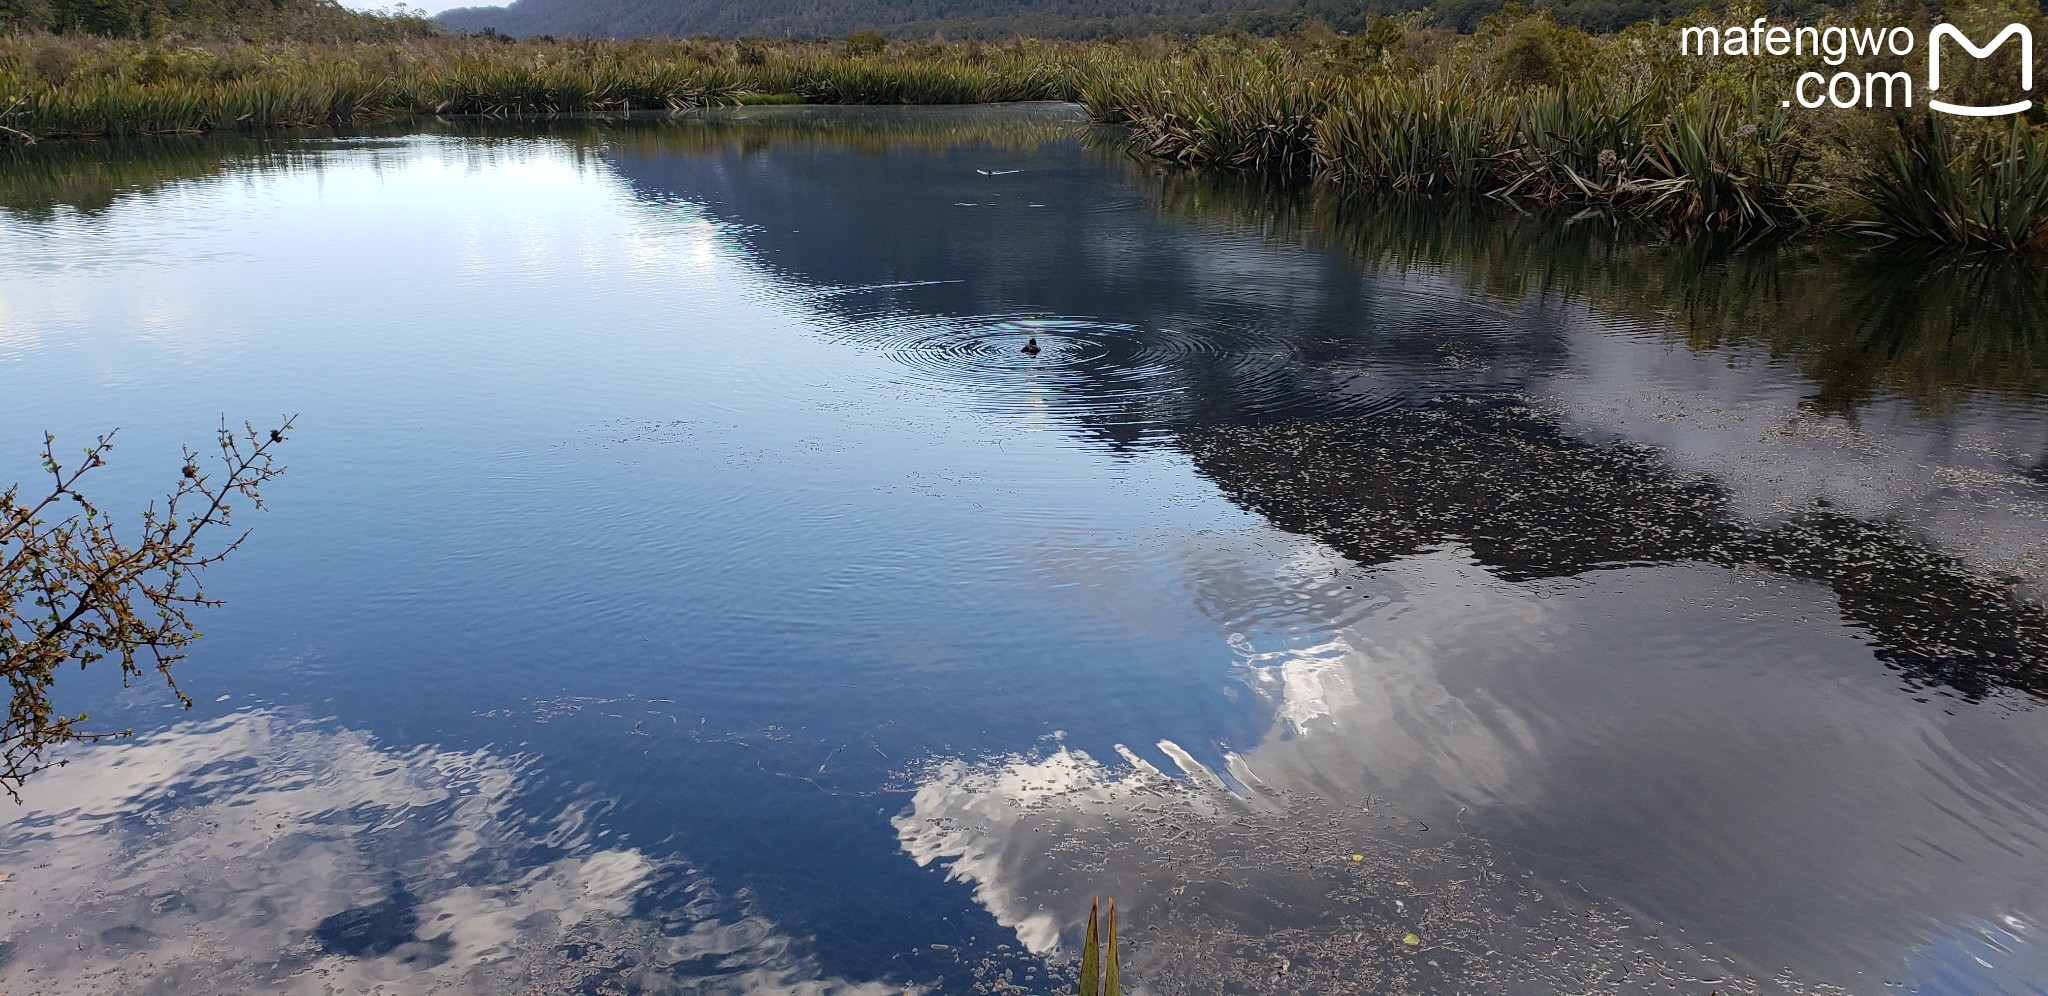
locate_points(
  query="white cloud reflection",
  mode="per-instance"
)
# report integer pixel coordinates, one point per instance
(258, 854)
(1962, 477)
(1604, 765)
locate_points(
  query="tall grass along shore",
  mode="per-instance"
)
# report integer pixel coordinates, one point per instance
(1521, 109)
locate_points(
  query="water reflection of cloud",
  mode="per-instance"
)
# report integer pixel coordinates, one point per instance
(257, 854)
(1258, 889)
(1696, 744)
(1959, 476)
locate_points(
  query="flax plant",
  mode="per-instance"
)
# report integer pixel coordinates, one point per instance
(1982, 192)
(1100, 975)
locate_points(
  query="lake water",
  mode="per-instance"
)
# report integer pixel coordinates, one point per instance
(684, 582)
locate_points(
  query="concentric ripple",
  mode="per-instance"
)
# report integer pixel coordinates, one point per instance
(1106, 374)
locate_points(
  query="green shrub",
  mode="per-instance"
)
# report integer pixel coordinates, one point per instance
(1529, 58)
(861, 44)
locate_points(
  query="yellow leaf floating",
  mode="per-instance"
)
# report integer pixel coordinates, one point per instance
(1358, 857)
(1411, 940)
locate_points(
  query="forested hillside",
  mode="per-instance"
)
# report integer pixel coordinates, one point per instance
(305, 20)
(1003, 18)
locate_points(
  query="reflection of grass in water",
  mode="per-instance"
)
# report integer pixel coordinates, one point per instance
(89, 177)
(37, 179)
(1855, 320)
(936, 130)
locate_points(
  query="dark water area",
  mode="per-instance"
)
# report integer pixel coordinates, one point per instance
(684, 582)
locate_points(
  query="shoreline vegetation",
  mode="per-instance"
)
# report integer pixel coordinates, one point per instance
(1521, 109)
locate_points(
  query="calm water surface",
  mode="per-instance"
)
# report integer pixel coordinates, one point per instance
(684, 583)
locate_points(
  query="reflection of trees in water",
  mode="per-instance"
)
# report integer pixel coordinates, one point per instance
(90, 177)
(1246, 344)
(867, 130)
(1855, 321)
(1248, 340)
(1170, 326)
(1532, 501)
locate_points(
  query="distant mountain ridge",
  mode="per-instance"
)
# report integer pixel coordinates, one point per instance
(994, 18)
(900, 18)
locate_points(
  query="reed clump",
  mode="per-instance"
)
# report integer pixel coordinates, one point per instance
(1216, 105)
(1526, 110)
(1614, 140)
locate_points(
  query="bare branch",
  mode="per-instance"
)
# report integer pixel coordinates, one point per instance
(73, 591)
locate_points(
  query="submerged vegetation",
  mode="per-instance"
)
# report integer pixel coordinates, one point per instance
(1522, 109)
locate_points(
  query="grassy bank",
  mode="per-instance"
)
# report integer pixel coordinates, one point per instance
(1520, 110)
(72, 87)
(1526, 110)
